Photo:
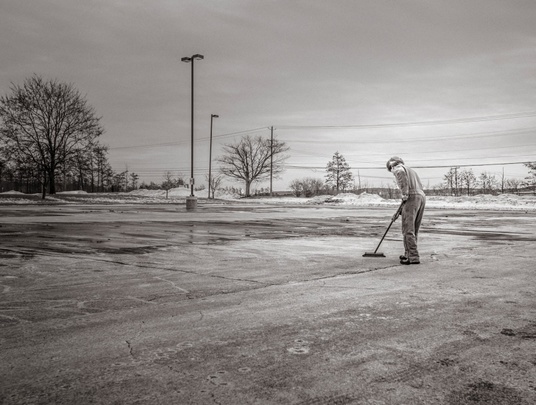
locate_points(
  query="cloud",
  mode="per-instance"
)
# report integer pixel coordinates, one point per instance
(302, 62)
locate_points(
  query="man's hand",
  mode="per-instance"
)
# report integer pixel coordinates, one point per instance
(405, 197)
(399, 211)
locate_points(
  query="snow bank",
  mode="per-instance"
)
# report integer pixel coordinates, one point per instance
(349, 199)
(12, 192)
(148, 193)
(184, 192)
(503, 202)
(484, 202)
(477, 202)
(72, 192)
(174, 192)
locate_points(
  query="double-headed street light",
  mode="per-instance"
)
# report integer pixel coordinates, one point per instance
(212, 116)
(191, 202)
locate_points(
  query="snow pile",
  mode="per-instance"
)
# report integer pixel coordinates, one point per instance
(148, 193)
(12, 192)
(504, 202)
(72, 192)
(364, 199)
(17, 201)
(184, 192)
(174, 192)
(484, 201)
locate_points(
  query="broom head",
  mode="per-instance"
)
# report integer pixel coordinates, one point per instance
(369, 254)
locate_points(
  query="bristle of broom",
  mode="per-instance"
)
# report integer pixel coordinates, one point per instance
(373, 255)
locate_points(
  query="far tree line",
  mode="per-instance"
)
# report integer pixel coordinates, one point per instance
(49, 141)
(462, 181)
(456, 182)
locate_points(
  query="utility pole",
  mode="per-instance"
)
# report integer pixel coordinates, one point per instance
(212, 116)
(338, 178)
(456, 181)
(271, 158)
(502, 181)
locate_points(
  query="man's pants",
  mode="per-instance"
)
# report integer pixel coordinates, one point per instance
(412, 213)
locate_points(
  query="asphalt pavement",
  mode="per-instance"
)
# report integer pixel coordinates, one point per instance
(264, 304)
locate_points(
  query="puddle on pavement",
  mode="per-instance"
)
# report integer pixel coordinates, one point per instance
(136, 238)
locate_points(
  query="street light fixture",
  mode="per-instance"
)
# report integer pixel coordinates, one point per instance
(212, 116)
(191, 202)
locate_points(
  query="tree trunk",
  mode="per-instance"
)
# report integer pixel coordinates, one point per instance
(44, 185)
(52, 182)
(248, 188)
(92, 181)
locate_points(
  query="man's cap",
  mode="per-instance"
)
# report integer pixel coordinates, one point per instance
(395, 160)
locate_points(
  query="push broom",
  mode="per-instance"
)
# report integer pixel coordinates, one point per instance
(375, 254)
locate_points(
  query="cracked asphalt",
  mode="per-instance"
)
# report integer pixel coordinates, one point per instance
(263, 304)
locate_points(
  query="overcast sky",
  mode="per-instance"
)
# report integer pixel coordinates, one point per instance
(439, 83)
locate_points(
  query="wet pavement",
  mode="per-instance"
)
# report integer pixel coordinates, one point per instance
(262, 304)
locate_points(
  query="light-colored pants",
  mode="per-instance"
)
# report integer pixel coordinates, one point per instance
(412, 213)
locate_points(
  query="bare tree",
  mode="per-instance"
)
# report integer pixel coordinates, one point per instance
(214, 184)
(4, 161)
(48, 122)
(531, 180)
(313, 186)
(308, 186)
(120, 181)
(452, 181)
(134, 177)
(296, 186)
(94, 163)
(488, 182)
(101, 165)
(169, 182)
(251, 158)
(467, 179)
(512, 185)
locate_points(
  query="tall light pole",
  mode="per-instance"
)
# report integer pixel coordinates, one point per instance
(271, 158)
(212, 116)
(191, 202)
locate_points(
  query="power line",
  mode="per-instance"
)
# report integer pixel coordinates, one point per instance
(486, 134)
(416, 123)
(236, 133)
(155, 170)
(295, 166)
(427, 152)
(187, 141)
(360, 126)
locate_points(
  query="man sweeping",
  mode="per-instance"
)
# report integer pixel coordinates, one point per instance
(413, 195)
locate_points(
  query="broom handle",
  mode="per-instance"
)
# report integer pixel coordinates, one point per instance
(398, 212)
